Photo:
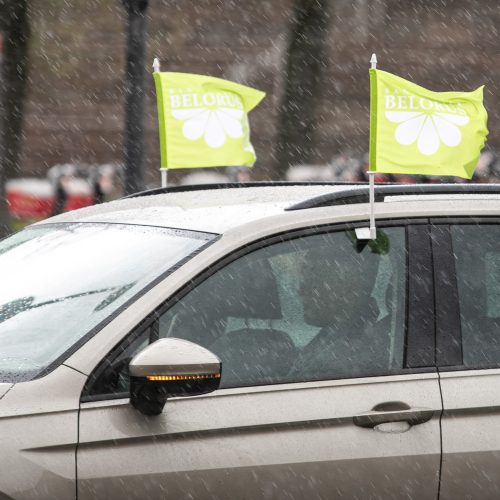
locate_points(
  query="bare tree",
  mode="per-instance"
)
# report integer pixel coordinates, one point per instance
(134, 94)
(13, 70)
(304, 70)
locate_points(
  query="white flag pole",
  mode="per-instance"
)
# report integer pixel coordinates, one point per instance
(164, 177)
(365, 233)
(164, 171)
(156, 65)
(371, 177)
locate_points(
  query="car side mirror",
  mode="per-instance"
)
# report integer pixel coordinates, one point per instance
(170, 368)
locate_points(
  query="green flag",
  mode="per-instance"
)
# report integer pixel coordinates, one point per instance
(203, 121)
(416, 131)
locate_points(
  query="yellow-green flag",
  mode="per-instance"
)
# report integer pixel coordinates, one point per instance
(416, 131)
(203, 121)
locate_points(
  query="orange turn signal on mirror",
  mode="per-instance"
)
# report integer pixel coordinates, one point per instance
(168, 378)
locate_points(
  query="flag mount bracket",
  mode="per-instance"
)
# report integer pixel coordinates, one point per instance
(369, 233)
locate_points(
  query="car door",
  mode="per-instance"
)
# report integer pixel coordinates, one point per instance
(328, 382)
(467, 253)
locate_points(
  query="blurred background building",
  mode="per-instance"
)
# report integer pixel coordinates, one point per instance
(74, 100)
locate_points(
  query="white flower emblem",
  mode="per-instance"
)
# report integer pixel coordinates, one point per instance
(429, 128)
(212, 124)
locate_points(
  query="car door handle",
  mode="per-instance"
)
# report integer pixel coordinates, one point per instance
(413, 416)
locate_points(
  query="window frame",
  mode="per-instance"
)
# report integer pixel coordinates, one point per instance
(411, 337)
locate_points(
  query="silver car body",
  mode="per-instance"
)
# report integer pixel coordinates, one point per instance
(276, 441)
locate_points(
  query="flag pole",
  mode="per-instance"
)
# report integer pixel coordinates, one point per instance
(164, 171)
(365, 233)
(164, 177)
(371, 177)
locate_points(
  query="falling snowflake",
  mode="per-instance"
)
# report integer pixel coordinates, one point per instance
(429, 129)
(211, 124)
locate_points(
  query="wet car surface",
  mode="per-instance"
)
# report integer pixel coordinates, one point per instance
(246, 343)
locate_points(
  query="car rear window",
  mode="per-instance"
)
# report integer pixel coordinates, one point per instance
(476, 249)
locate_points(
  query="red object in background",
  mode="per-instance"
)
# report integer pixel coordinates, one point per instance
(78, 193)
(25, 206)
(35, 199)
(78, 200)
(382, 178)
(30, 198)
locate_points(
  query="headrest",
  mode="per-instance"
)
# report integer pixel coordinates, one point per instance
(337, 281)
(246, 289)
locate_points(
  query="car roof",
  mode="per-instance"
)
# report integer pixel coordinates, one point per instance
(217, 209)
(208, 210)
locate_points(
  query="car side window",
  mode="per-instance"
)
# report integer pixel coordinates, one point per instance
(476, 250)
(312, 308)
(317, 307)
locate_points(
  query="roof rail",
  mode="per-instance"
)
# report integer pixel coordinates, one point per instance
(361, 194)
(231, 185)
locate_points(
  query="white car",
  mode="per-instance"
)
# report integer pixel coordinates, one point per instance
(242, 342)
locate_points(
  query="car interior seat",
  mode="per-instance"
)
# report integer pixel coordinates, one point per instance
(250, 354)
(243, 294)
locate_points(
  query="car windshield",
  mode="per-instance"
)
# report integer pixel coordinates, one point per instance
(61, 281)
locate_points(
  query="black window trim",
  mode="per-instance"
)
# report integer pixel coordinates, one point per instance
(153, 317)
(447, 306)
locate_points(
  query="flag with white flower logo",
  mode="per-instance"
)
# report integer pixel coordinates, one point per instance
(416, 131)
(203, 121)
